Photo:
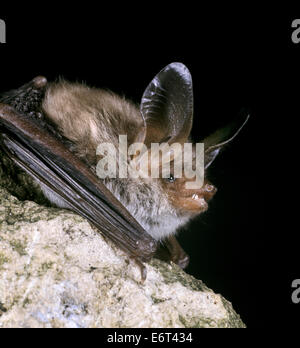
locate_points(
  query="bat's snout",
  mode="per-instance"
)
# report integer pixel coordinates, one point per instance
(193, 201)
(208, 191)
(198, 199)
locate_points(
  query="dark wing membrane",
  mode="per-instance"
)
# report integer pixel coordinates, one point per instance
(46, 159)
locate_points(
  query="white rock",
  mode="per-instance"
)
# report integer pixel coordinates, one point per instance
(58, 271)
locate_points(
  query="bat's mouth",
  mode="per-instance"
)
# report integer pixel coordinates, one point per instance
(199, 199)
(199, 202)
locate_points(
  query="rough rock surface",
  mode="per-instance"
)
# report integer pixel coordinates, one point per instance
(56, 270)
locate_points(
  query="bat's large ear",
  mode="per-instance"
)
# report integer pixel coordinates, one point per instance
(216, 142)
(167, 106)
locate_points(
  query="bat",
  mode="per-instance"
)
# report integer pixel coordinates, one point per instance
(52, 130)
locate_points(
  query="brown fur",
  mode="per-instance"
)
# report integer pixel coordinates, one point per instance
(88, 117)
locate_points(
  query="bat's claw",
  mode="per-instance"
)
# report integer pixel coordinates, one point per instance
(181, 260)
(143, 269)
(39, 81)
(171, 250)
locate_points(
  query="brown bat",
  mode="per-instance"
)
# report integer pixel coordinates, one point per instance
(52, 131)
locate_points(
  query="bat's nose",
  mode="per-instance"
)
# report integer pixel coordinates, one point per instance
(208, 191)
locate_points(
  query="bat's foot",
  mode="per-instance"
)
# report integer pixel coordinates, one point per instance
(142, 267)
(172, 251)
(182, 260)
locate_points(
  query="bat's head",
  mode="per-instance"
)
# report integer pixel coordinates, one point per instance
(175, 187)
(191, 201)
(167, 112)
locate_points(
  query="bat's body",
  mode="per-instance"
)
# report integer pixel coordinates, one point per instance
(80, 118)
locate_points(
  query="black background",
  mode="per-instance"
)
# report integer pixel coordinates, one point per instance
(238, 58)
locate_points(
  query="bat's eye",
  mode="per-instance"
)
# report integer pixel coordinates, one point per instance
(171, 178)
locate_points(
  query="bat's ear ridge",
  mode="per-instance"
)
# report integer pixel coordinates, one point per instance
(39, 81)
(217, 141)
(167, 105)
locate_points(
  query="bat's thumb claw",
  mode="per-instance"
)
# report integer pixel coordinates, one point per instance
(143, 274)
(142, 268)
(39, 81)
